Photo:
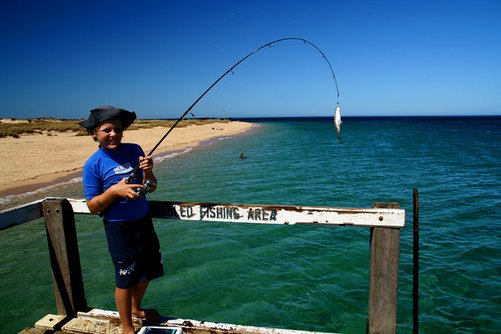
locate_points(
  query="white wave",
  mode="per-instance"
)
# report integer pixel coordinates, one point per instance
(161, 157)
(11, 198)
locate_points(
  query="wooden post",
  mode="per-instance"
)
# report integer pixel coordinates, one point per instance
(383, 277)
(64, 256)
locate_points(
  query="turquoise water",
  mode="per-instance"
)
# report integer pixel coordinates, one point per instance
(304, 277)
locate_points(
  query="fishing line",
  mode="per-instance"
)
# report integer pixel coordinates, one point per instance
(230, 70)
(199, 110)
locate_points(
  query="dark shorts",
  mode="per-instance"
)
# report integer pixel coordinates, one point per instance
(135, 251)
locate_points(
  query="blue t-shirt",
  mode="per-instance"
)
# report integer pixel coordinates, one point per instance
(108, 167)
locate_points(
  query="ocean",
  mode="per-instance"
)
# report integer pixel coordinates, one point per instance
(297, 276)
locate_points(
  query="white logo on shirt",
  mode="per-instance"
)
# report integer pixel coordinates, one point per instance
(123, 169)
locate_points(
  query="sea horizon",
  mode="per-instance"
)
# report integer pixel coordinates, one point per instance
(305, 117)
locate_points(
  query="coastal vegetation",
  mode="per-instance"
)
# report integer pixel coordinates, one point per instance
(48, 126)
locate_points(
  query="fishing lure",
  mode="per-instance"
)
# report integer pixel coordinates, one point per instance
(338, 122)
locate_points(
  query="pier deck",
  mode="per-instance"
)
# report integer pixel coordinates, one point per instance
(97, 321)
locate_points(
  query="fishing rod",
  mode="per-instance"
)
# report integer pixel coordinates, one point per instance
(183, 115)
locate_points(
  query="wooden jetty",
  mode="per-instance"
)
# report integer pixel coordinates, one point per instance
(74, 315)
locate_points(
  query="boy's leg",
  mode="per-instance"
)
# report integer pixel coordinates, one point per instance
(123, 299)
(138, 292)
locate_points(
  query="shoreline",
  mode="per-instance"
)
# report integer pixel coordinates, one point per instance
(181, 140)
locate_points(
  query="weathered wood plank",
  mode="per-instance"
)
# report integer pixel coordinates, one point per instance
(383, 280)
(64, 256)
(79, 205)
(236, 213)
(93, 326)
(206, 327)
(20, 214)
(270, 214)
(89, 325)
(103, 321)
(273, 214)
(51, 322)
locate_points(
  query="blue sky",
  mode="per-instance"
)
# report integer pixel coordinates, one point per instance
(63, 58)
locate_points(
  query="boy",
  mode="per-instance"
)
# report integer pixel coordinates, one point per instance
(131, 237)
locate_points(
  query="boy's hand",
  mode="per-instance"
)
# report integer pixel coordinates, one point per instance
(120, 190)
(146, 163)
(126, 190)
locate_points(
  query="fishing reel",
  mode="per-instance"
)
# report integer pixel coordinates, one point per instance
(145, 188)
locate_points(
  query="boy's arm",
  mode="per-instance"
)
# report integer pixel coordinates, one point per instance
(100, 202)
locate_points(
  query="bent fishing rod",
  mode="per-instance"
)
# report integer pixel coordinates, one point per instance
(183, 115)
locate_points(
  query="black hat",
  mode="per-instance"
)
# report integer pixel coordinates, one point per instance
(106, 113)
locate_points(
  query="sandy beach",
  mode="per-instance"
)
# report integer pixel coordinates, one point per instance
(32, 161)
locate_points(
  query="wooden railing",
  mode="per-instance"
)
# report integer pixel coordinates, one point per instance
(384, 220)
